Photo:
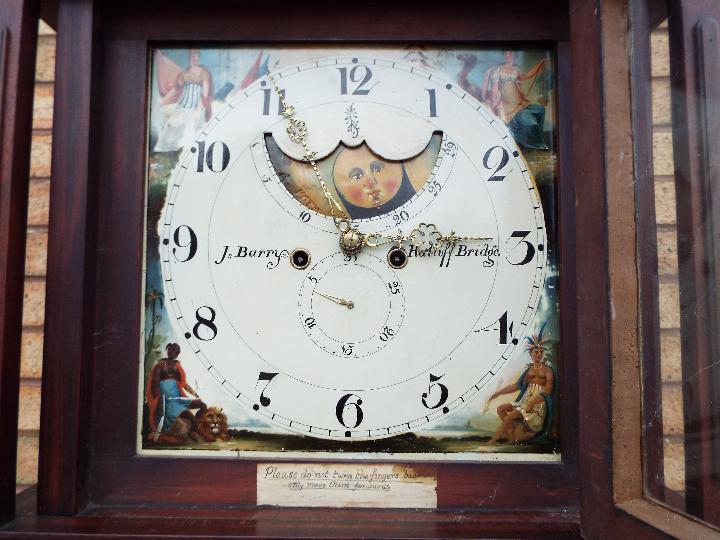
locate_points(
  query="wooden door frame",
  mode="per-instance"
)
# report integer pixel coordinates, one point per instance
(104, 77)
(616, 502)
(18, 42)
(611, 497)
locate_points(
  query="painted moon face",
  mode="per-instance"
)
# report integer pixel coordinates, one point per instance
(365, 179)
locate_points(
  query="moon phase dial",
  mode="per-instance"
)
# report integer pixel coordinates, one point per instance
(351, 306)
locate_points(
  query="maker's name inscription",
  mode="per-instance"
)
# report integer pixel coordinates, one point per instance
(347, 485)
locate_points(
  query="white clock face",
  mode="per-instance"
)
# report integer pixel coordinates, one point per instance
(420, 341)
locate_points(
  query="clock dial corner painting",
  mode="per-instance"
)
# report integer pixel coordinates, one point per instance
(351, 251)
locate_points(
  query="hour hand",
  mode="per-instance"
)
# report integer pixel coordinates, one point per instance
(342, 301)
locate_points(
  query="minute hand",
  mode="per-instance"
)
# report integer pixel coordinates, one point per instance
(421, 236)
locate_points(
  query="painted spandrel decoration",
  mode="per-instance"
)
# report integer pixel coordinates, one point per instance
(381, 178)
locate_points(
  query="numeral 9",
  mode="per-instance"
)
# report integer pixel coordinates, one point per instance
(191, 244)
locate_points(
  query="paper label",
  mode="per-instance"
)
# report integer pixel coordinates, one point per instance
(369, 485)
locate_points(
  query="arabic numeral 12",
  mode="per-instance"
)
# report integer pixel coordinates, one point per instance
(358, 74)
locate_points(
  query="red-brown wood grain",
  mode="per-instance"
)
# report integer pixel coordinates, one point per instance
(70, 292)
(600, 518)
(708, 38)
(593, 351)
(94, 301)
(565, 203)
(265, 522)
(18, 39)
(324, 20)
(118, 473)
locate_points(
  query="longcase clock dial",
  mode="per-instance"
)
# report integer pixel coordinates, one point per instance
(277, 332)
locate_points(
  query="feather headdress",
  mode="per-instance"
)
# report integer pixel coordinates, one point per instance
(536, 341)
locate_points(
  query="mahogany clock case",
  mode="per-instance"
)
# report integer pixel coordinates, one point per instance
(95, 284)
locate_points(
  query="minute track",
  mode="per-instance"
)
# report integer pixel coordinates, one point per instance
(226, 285)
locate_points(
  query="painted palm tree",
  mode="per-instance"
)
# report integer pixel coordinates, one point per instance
(154, 301)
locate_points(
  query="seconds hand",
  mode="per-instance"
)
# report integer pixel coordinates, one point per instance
(348, 303)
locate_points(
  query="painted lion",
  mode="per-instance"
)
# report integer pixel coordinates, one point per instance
(212, 425)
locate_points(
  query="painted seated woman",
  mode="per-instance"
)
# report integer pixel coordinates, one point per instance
(170, 419)
(503, 90)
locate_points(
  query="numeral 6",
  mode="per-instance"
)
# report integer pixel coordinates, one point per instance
(345, 403)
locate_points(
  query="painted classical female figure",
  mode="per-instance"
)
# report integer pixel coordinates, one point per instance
(530, 414)
(186, 101)
(502, 90)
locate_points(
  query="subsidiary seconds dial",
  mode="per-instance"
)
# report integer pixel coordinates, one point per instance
(371, 314)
